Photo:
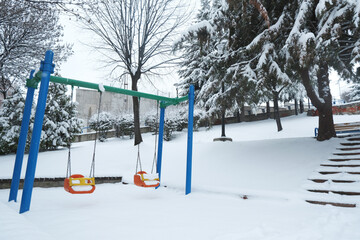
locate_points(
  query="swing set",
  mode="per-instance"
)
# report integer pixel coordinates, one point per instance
(72, 181)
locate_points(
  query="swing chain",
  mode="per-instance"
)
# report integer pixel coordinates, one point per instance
(92, 169)
(156, 136)
(138, 161)
(68, 170)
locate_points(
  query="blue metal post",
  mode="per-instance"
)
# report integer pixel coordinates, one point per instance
(160, 141)
(22, 142)
(47, 67)
(190, 140)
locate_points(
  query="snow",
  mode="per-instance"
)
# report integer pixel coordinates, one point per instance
(101, 87)
(197, 26)
(252, 189)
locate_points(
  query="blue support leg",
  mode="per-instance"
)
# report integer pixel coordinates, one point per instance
(47, 67)
(160, 143)
(22, 142)
(190, 140)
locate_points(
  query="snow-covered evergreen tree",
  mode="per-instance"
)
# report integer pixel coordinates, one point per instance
(353, 94)
(11, 113)
(256, 65)
(210, 49)
(204, 45)
(324, 34)
(305, 38)
(60, 121)
(195, 48)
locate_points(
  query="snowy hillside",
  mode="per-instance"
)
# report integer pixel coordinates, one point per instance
(267, 168)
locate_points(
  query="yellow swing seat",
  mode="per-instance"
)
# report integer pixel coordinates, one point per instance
(79, 180)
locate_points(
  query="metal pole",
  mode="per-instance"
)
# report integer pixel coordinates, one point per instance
(47, 67)
(190, 140)
(22, 142)
(160, 141)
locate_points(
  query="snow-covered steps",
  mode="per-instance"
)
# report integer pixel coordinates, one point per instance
(337, 181)
(352, 205)
(330, 198)
(353, 143)
(339, 176)
(347, 153)
(343, 158)
(348, 148)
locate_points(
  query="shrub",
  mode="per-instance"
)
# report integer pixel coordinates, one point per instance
(124, 126)
(106, 122)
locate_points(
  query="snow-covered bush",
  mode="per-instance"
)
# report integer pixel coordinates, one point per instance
(174, 121)
(124, 126)
(151, 121)
(60, 121)
(11, 114)
(106, 122)
(201, 119)
(169, 128)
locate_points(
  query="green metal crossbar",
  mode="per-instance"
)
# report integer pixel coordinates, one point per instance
(165, 101)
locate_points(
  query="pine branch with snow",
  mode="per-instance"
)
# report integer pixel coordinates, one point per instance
(60, 121)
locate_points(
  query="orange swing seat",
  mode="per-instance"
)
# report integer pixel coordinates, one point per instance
(77, 181)
(142, 179)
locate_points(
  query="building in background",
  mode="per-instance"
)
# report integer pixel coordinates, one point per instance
(114, 103)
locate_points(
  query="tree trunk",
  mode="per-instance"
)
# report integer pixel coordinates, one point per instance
(268, 113)
(301, 106)
(238, 119)
(136, 111)
(242, 114)
(296, 107)
(324, 106)
(326, 121)
(276, 111)
(223, 124)
(223, 114)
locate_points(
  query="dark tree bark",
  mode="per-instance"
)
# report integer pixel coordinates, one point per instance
(242, 114)
(268, 113)
(276, 111)
(136, 110)
(238, 119)
(324, 106)
(223, 124)
(296, 107)
(301, 106)
(223, 114)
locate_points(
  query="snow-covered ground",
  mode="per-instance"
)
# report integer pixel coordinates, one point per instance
(270, 168)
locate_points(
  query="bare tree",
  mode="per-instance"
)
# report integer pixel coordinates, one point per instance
(135, 37)
(27, 30)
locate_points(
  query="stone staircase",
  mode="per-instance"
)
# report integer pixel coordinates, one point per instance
(337, 181)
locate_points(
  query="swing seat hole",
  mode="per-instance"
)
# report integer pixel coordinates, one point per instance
(74, 181)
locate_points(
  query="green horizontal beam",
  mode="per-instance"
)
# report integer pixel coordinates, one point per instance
(164, 104)
(166, 101)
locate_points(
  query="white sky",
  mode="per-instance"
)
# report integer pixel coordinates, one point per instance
(85, 64)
